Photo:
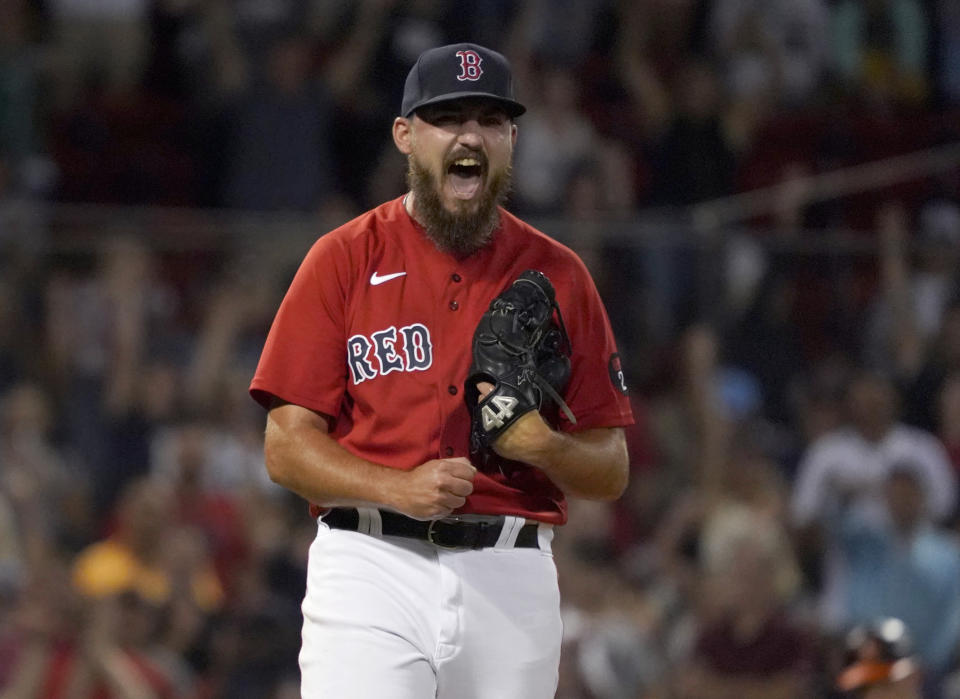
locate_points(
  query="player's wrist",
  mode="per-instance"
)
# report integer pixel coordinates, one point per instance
(391, 489)
(529, 440)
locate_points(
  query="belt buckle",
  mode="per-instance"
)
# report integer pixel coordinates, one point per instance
(431, 532)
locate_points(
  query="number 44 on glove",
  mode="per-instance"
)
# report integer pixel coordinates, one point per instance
(521, 347)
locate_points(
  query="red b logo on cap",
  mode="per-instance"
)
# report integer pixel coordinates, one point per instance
(469, 65)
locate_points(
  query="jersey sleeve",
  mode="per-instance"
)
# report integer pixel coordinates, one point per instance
(303, 359)
(597, 392)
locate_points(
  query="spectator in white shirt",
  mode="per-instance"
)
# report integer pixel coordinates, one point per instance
(847, 468)
(776, 45)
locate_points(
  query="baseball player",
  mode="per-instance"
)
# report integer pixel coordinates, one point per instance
(438, 377)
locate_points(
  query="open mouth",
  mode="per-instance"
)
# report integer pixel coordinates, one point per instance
(465, 175)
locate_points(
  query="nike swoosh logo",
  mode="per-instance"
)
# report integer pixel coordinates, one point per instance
(376, 279)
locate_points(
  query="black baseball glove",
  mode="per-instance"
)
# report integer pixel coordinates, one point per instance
(522, 350)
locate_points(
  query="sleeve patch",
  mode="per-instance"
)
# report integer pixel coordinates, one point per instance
(616, 373)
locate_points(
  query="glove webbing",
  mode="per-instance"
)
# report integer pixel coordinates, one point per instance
(566, 348)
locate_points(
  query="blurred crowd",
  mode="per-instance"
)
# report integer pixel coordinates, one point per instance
(795, 379)
(285, 104)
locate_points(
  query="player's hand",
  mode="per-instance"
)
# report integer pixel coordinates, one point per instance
(436, 488)
(523, 437)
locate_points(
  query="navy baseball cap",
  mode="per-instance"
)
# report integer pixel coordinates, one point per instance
(456, 71)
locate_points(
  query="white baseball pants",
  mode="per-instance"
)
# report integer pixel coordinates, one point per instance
(397, 618)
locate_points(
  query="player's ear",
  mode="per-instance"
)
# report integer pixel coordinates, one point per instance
(513, 134)
(402, 135)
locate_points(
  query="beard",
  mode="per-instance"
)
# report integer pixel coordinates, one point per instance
(462, 232)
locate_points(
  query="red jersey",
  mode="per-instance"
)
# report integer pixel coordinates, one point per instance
(376, 329)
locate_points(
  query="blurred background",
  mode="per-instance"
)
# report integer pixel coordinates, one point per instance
(766, 191)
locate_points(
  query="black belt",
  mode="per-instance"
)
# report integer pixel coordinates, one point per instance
(451, 532)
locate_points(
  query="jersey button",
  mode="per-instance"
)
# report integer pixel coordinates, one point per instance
(454, 305)
(456, 277)
(452, 390)
(448, 451)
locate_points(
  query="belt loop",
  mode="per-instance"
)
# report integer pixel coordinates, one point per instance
(370, 521)
(511, 529)
(544, 536)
